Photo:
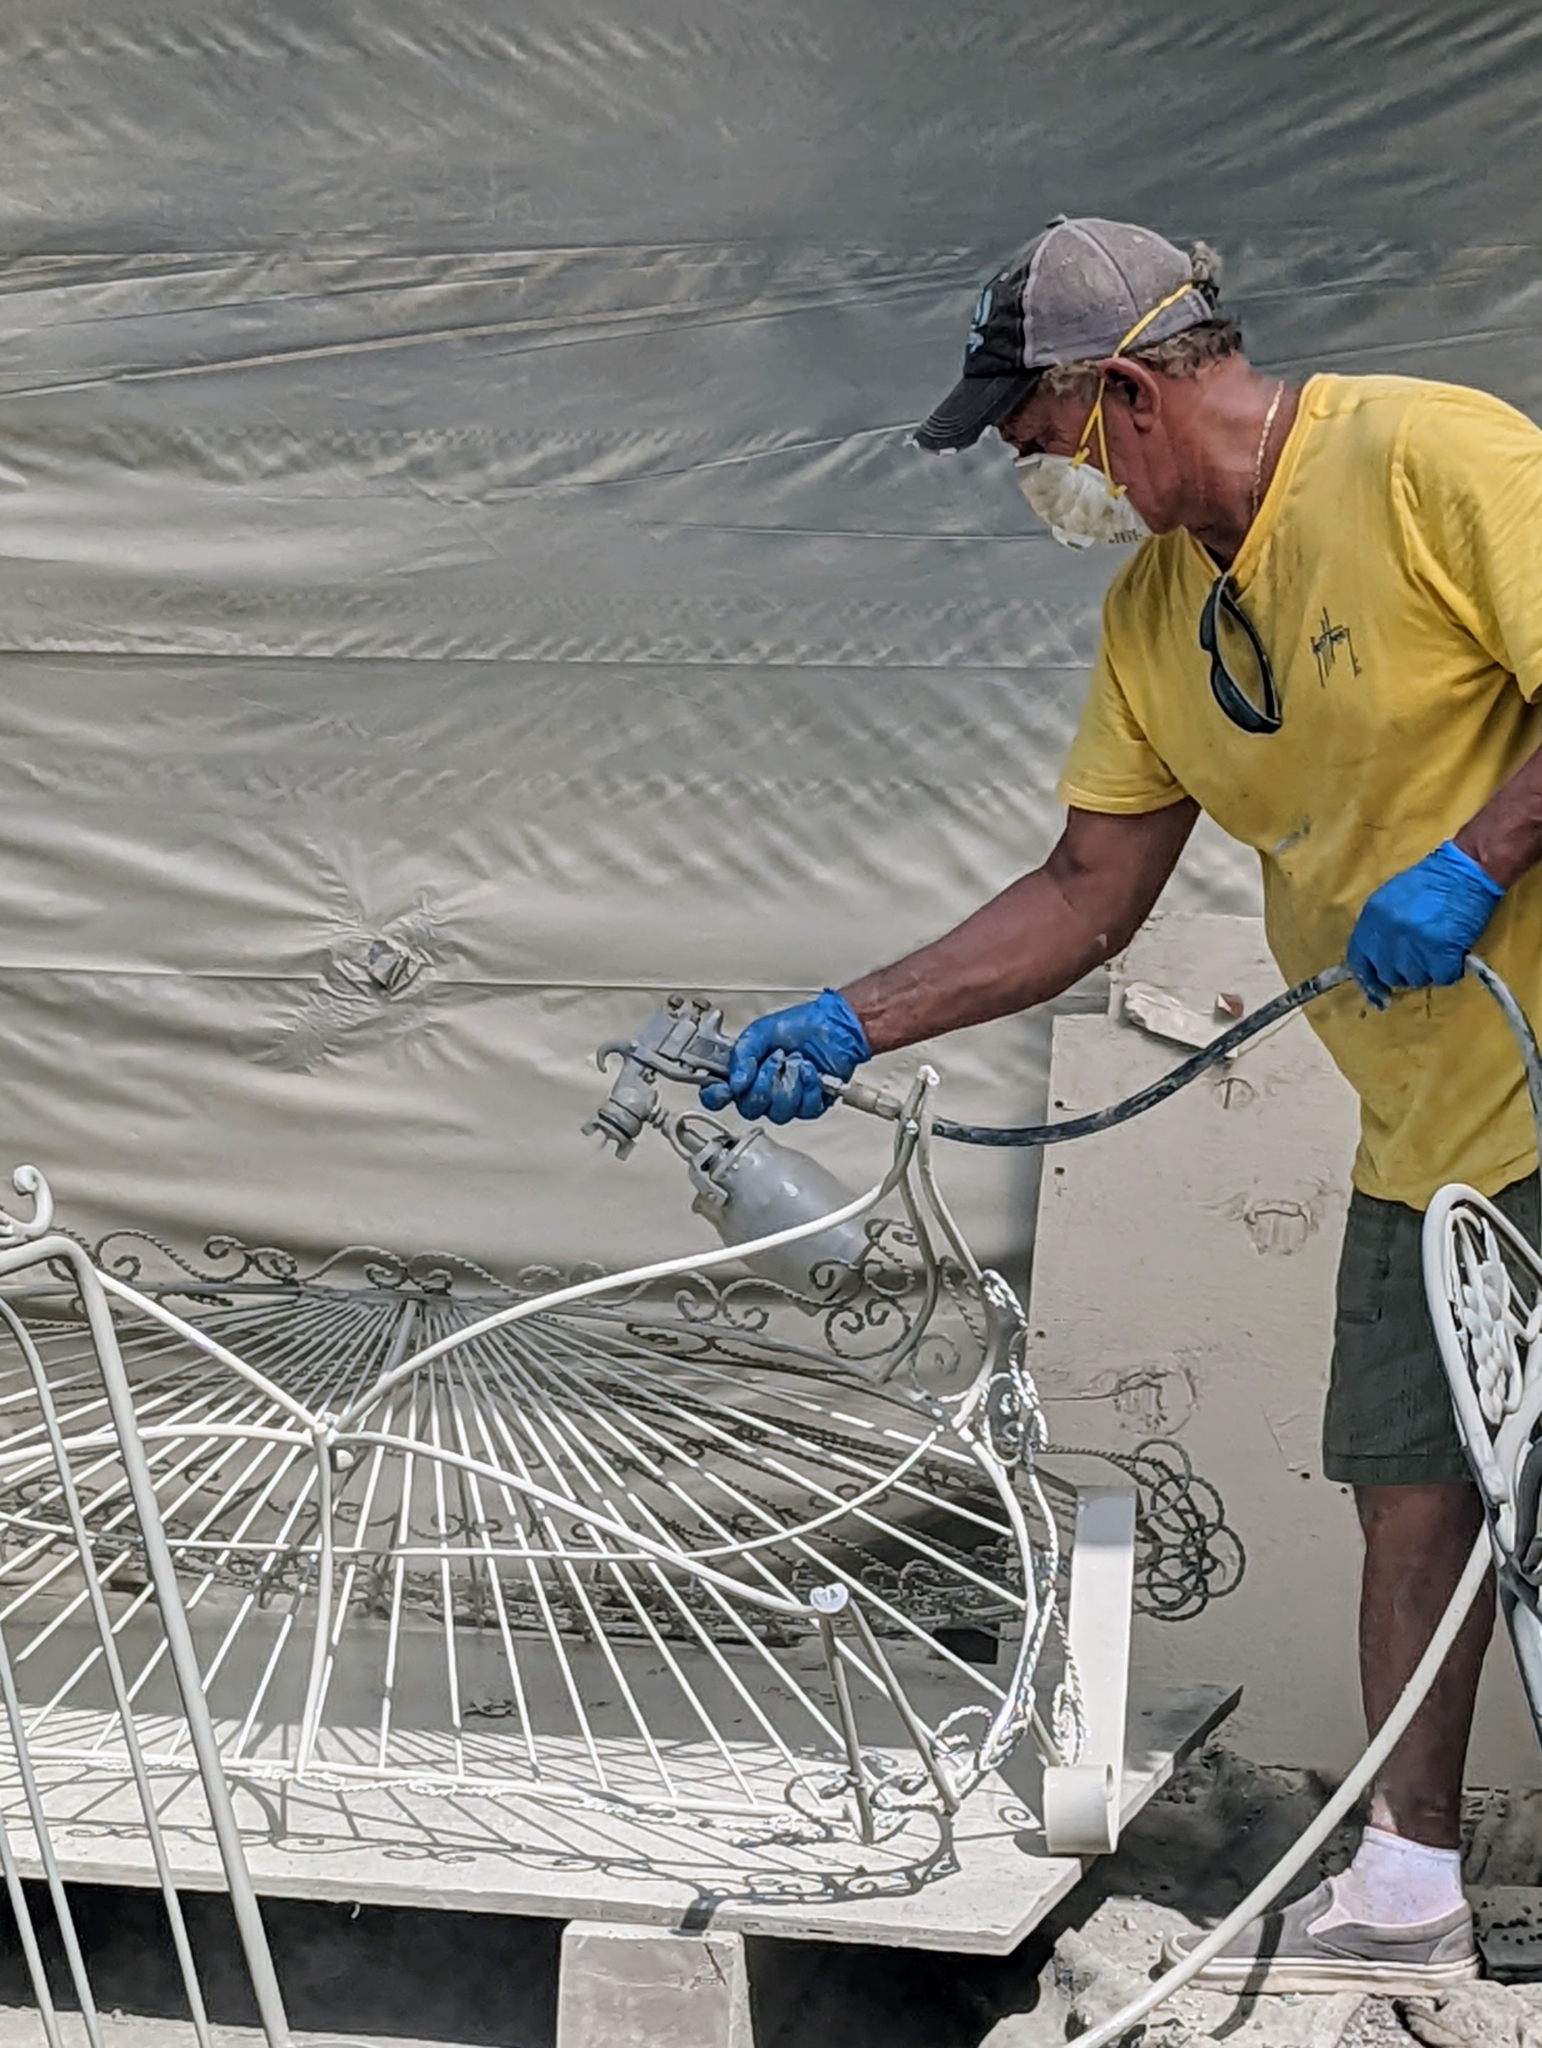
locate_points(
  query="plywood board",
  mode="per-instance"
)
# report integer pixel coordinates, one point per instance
(979, 1885)
(1183, 1286)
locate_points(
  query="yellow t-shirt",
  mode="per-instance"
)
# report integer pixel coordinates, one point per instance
(1394, 577)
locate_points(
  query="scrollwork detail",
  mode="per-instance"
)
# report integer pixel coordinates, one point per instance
(18, 1230)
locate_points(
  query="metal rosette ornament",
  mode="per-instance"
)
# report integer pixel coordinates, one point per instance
(1483, 1281)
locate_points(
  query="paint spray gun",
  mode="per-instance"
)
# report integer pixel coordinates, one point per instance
(685, 1042)
(747, 1185)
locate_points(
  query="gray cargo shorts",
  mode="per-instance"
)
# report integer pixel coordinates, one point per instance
(1388, 1421)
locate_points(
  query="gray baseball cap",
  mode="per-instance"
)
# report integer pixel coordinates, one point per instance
(1070, 297)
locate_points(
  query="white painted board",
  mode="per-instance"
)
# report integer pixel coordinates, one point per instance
(977, 1886)
(1183, 1286)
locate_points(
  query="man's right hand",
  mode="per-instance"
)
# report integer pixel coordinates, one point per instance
(778, 1061)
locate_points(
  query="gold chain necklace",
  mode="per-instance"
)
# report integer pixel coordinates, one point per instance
(1263, 443)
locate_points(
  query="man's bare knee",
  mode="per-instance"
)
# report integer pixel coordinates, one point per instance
(1420, 1516)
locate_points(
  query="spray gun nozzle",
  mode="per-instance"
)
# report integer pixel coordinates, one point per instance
(683, 1042)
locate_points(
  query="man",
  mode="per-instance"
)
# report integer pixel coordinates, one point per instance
(1331, 643)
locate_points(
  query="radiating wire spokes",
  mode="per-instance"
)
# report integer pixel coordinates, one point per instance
(673, 1542)
(678, 1544)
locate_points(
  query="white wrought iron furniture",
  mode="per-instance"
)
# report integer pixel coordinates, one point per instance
(682, 1545)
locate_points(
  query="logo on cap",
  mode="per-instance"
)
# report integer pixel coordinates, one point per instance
(982, 313)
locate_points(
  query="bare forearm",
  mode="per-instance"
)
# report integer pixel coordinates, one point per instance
(1505, 838)
(1023, 947)
(1033, 940)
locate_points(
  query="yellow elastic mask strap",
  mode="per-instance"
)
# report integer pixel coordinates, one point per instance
(1095, 417)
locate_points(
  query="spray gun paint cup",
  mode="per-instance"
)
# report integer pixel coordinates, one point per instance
(751, 1187)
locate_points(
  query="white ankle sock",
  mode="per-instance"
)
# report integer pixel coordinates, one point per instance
(1397, 1883)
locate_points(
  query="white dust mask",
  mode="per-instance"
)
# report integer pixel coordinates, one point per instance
(1076, 501)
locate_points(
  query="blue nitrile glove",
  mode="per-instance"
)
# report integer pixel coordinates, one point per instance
(777, 1061)
(1417, 930)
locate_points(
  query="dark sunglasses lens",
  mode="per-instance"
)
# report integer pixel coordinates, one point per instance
(1243, 659)
(1241, 679)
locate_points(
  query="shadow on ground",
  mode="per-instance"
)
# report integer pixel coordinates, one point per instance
(375, 1971)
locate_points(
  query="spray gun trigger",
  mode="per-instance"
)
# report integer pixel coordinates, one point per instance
(686, 1042)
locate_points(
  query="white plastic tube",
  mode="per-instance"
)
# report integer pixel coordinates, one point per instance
(1274, 1882)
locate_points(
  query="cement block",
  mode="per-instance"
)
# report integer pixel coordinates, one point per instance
(641, 1987)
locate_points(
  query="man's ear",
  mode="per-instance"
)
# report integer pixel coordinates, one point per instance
(1136, 387)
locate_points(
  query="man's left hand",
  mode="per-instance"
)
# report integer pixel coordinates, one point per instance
(1416, 930)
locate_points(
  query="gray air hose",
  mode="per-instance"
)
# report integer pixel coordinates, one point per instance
(1217, 1050)
(1221, 1048)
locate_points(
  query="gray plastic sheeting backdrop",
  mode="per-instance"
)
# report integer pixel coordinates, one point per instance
(453, 493)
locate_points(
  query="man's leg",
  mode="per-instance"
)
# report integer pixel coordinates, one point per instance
(1417, 1539)
(1396, 1920)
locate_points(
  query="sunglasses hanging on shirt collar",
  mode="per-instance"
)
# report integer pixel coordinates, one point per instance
(1241, 679)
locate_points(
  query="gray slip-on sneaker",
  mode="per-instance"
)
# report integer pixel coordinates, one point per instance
(1286, 1950)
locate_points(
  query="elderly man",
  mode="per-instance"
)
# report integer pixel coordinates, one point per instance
(1330, 640)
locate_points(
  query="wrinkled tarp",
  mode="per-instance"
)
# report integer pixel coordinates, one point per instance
(463, 574)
